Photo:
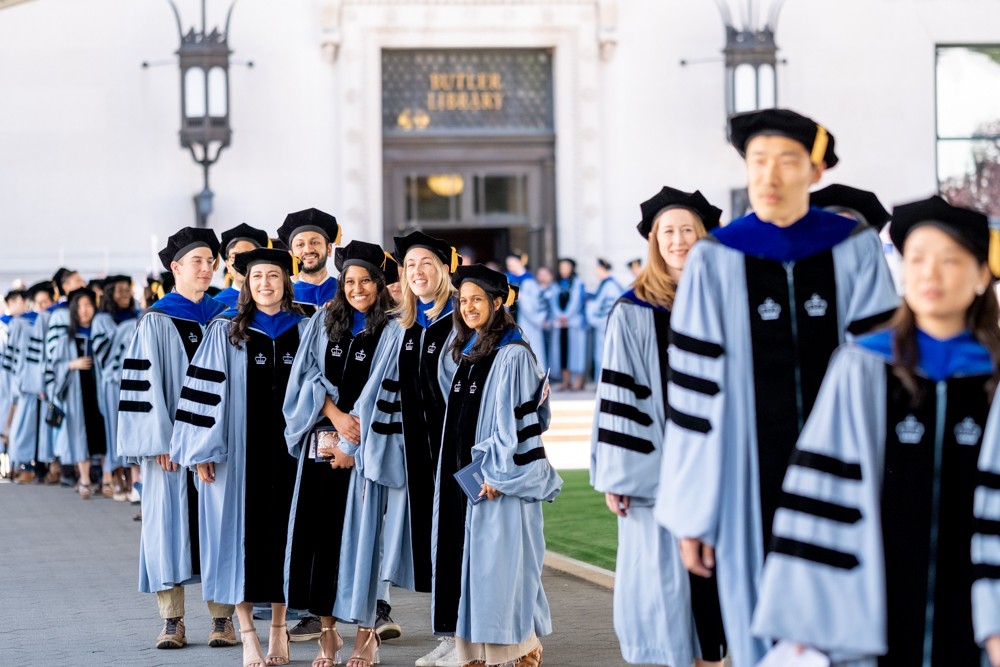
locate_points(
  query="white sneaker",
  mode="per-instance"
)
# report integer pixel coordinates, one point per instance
(445, 646)
(451, 658)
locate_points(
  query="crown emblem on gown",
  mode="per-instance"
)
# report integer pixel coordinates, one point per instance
(288, 358)
(816, 306)
(458, 386)
(409, 345)
(967, 432)
(769, 310)
(472, 388)
(360, 355)
(336, 351)
(909, 431)
(432, 348)
(193, 337)
(260, 359)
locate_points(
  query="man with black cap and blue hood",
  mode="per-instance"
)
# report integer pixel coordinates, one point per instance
(153, 372)
(762, 305)
(241, 238)
(311, 236)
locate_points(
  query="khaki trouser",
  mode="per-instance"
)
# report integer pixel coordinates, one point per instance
(171, 604)
(494, 654)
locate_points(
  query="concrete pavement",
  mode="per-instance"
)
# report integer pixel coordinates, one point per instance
(68, 597)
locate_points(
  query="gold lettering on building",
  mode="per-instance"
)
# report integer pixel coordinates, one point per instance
(465, 91)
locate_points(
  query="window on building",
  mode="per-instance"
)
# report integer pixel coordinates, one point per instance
(968, 126)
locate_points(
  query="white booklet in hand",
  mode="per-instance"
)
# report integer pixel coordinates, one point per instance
(786, 654)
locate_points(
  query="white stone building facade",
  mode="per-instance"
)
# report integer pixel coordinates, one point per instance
(92, 175)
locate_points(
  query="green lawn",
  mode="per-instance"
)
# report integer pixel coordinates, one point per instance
(579, 525)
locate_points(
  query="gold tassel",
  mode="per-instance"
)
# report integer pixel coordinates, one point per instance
(511, 297)
(270, 244)
(340, 233)
(819, 145)
(156, 287)
(388, 258)
(994, 254)
(295, 265)
(455, 259)
(215, 264)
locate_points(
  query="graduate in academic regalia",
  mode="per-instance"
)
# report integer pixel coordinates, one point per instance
(860, 205)
(230, 425)
(488, 556)
(762, 305)
(568, 344)
(517, 271)
(663, 615)
(30, 447)
(534, 313)
(598, 307)
(111, 331)
(154, 369)
(863, 206)
(336, 516)
(405, 411)
(75, 391)
(885, 546)
(241, 238)
(16, 303)
(65, 281)
(311, 236)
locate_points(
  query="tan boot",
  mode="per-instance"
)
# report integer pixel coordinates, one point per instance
(172, 635)
(222, 633)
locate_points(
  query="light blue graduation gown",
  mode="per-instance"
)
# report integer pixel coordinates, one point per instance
(69, 439)
(838, 469)
(6, 399)
(652, 596)
(502, 600)
(598, 309)
(383, 452)
(110, 340)
(220, 437)
(533, 316)
(153, 371)
(576, 325)
(305, 395)
(709, 484)
(28, 428)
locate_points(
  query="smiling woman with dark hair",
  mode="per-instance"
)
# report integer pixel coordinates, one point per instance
(81, 435)
(336, 518)
(229, 424)
(497, 410)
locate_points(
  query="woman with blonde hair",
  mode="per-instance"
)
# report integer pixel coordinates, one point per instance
(405, 409)
(662, 615)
